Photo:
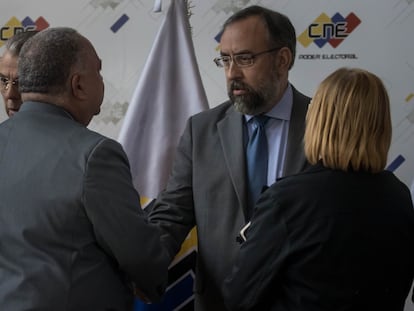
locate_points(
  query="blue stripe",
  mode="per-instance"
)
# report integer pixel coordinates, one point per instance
(396, 163)
(119, 23)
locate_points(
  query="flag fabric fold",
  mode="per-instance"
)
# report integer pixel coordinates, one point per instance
(168, 92)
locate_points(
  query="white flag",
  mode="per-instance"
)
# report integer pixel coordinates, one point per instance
(168, 92)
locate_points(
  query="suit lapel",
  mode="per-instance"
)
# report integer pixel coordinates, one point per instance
(295, 157)
(231, 134)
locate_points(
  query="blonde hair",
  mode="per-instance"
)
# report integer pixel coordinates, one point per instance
(348, 125)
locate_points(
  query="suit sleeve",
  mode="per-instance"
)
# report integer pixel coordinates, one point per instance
(260, 258)
(121, 228)
(173, 211)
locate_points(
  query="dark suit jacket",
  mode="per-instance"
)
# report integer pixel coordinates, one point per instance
(207, 188)
(327, 240)
(72, 234)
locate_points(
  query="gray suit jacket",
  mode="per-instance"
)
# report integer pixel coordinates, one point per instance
(207, 188)
(72, 233)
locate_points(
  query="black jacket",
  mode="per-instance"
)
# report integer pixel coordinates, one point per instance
(327, 240)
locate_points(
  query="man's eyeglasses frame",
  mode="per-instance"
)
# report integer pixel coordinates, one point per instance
(242, 60)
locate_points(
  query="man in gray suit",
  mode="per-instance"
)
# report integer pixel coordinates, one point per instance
(208, 187)
(73, 235)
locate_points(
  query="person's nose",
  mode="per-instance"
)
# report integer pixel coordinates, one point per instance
(233, 72)
(12, 92)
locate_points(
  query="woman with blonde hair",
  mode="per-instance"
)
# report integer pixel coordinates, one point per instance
(340, 235)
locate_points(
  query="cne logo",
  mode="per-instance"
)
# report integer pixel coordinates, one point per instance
(14, 25)
(329, 30)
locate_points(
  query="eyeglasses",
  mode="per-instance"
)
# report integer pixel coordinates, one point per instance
(241, 60)
(5, 83)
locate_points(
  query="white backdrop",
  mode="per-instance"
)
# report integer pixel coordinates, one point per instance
(381, 42)
(122, 32)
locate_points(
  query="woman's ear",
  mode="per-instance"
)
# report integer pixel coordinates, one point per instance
(78, 89)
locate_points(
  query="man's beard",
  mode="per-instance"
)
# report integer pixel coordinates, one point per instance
(253, 102)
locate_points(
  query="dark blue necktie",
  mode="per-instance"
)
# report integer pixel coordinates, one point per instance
(257, 157)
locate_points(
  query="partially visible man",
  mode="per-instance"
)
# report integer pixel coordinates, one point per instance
(9, 81)
(210, 184)
(73, 235)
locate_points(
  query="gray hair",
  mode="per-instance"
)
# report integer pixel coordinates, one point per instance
(14, 44)
(46, 60)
